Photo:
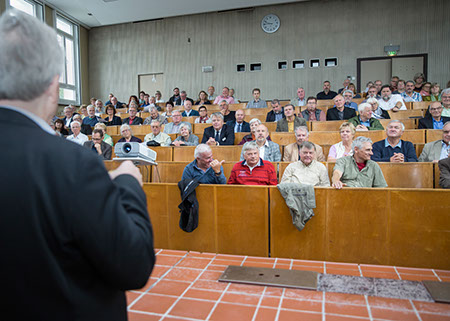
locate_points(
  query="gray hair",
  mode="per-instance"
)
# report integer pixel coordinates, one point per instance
(446, 123)
(347, 91)
(133, 104)
(186, 125)
(255, 120)
(90, 106)
(363, 106)
(446, 91)
(67, 108)
(372, 100)
(154, 121)
(176, 111)
(153, 108)
(223, 100)
(99, 101)
(201, 149)
(184, 104)
(217, 115)
(30, 56)
(307, 145)
(303, 129)
(126, 126)
(252, 145)
(360, 141)
(396, 121)
(74, 122)
(275, 101)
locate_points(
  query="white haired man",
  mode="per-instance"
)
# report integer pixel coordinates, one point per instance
(364, 121)
(439, 149)
(77, 136)
(156, 135)
(204, 167)
(292, 151)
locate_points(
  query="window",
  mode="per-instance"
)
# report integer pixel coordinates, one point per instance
(282, 65)
(240, 67)
(298, 64)
(30, 7)
(330, 62)
(314, 63)
(257, 66)
(69, 88)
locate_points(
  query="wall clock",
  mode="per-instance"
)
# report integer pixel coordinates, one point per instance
(270, 23)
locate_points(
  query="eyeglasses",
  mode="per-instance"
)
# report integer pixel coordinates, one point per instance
(435, 109)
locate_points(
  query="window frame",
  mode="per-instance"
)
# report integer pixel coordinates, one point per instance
(38, 8)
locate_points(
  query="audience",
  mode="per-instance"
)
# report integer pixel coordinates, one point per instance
(292, 151)
(268, 150)
(68, 116)
(158, 97)
(445, 96)
(439, 149)
(401, 87)
(435, 93)
(277, 112)
(256, 102)
(344, 147)
(98, 146)
(433, 120)
(59, 127)
(184, 98)
(202, 99)
(156, 135)
(85, 129)
(127, 135)
(239, 125)
(219, 133)
(99, 108)
(348, 96)
(426, 90)
(339, 111)
(312, 113)
(77, 136)
(204, 168)
(211, 90)
(364, 121)
(254, 123)
(345, 85)
(186, 137)
(291, 121)
(419, 79)
(91, 119)
(444, 169)
(168, 110)
(326, 93)
(115, 103)
(175, 100)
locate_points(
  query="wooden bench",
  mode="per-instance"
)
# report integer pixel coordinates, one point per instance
(421, 104)
(433, 135)
(113, 130)
(404, 114)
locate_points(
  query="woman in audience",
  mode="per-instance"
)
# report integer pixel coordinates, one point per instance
(435, 93)
(369, 84)
(106, 138)
(344, 147)
(255, 122)
(158, 96)
(426, 90)
(141, 97)
(202, 99)
(127, 135)
(83, 111)
(59, 127)
(419, 79)
(169, 109)
(135, 104)
(186, 137)
(351, 86)
(203, 118)
(377, 112)
(112, 119)
(400, 87)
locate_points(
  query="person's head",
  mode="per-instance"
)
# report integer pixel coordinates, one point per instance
(156, 126)
(176, 91)
(176, 117)
(261, 134)
(169, 107)
(348, 96)
(419, 78)
(250, 151)
(240, 115)
(362, 149)
(256, 93)
(110, 110)
(301, 93)
(394, 81)
(369, 84)
(436, 109)
(232, 92)
(289, 110)
(426, 87)
(183, 95)
(31, 62)
(141, 95)
(326, 86)
(111, 95)
(147, 99)
(75, 126)
(158, 95)
(154, 113)
(203, 155)
(446, 132)
(225, 91)
(132, 110)
(307, 152)
(378, 84)
(352, 87)
(395, 129)
(99, 104)
(59, 124)
(203, 111)
(152, 100)
(372, 92)
(254, 123)
(409, 86)
(386, 92)
(133, 97)
(276, 106)
(92, 100)
(217, 120)
(68, 112)
(83, 110)
(185, 129)
(187, 105)
(346, 82)
(101, 126)
(347, 131)
(211, 90)
(301, 134)
(435, 89)
(445, 97)
(77, 118)
(339, 101)
(311, 104)
(365, 111)
(401, 85)
(113, 101)
(125, 131)
(202, 95)
(97, 135)
(90, 111)
(373, 103)
(223, 106)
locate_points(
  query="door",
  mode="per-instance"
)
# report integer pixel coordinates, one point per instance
(372, 70)
(406, 68)
(150, 83)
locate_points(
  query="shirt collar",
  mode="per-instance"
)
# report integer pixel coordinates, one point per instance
(386, 143)
(260, 163)
(37, 120)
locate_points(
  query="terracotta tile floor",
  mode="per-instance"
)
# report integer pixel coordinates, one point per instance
(184, 286)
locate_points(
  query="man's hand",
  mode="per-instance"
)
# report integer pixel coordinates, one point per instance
(397, 158)
(98, 147)
(211, 141)
(338, 184)
(127, 167)
(215, 164)
(395, 108)
(178, 143)
(361, 127)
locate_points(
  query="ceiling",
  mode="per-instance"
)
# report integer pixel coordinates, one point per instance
(96, 13)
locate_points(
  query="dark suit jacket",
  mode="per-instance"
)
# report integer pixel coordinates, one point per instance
(271, 115)
(427, 122)
(245, 126)
(444, 168)
(175, 100)
(79, 240)
(282, 125)
(106, 149)
(136, 121)
(226, 135)
(332, 113)
(115, 121)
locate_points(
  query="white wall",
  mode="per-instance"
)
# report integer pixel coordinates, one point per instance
(346, 29)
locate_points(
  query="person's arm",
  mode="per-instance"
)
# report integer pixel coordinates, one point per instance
(332, 154)
(376, 125)
(108, 152)
(278, 126)
(425, 155)
(205, 136)
(322, 116)
(320, 155)
(167, 141)
(229, 136)
(192, 141)
(276, 152)
(232, 179)
(286, 155)
(329, 117)
(336, 179)
(217, 171)
(324, 180)
(287, 175)
(410, 152)
(267, 117)
(377, 156)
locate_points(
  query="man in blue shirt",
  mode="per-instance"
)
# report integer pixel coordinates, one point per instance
(410, 94)
(348, 96)
(91, 120)
(204, 168)
(393, 149)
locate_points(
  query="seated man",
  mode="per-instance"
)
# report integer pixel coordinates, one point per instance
(184, 98)
(77, 136)
(311, 112)
(228, 115)
(358, 170)
(409, 94)
(277, 112)
(390, 101)
(219, 133)
(393, 149)
(364, 121)
(268, 150)
(204, 168)
(156, 134)
(291, 121)
(439, 149)
(154, 115)
(292, 151)
(91, 119)
(339, 111)
(444, 176)
(225, 96)
(445, 96)
(257, 102)
(348, 96)
(306, 170)
(326, 93)
(115, 103)
(68, 116)
(188, 111)
(239, 125)
(434, 120)
(133, 119)
(372, 93)
(174, 126)
(97, 145)
(175, 99)
(253, 170)
(85, 129)
(299, 101)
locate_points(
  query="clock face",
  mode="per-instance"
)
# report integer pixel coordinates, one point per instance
(270, 23)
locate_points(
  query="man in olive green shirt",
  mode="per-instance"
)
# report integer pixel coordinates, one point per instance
(364, 121)
(358, 170)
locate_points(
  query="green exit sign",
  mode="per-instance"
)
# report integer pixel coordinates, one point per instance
(392, 53)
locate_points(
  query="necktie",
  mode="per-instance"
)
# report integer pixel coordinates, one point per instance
(217, 138)
(239, 128)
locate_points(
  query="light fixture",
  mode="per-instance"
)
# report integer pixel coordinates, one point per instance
(154, 78)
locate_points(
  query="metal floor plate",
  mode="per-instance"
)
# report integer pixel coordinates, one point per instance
(272, 277)
(440, 291)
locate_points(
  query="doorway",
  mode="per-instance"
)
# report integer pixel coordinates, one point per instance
(150, 83)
